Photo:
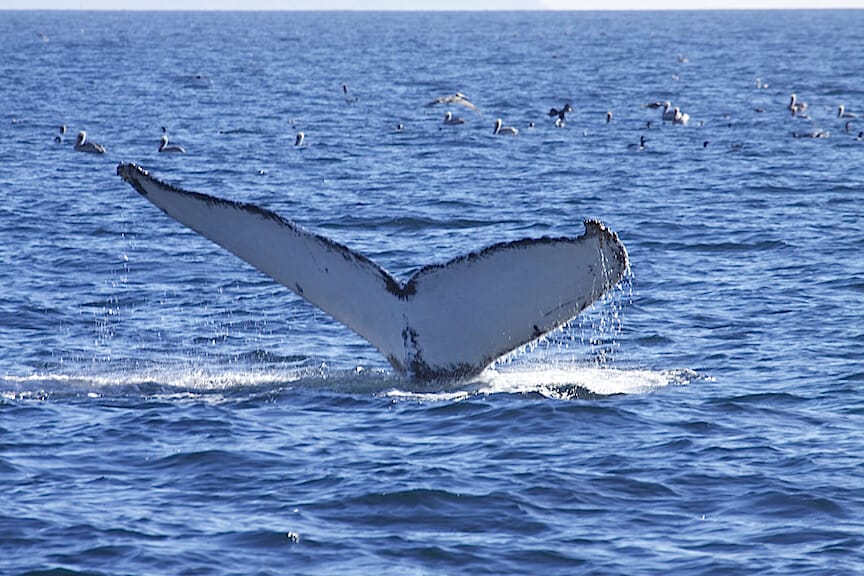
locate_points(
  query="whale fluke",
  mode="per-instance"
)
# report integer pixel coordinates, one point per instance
(448, 320)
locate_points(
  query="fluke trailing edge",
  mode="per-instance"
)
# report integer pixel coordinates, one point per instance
(448, 320)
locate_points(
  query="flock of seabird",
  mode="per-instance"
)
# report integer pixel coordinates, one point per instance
(799, 109)
(668, 113)
(82, 144)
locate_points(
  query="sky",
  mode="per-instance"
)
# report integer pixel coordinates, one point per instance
(421, 4)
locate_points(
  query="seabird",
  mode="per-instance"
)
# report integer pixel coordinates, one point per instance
(640, 145)
(655, 104)
(560, 113)
(62, 130)
(298, 141)
(81, 144)
(680, 117)
(172, 149)
(457, 98)
(608, 117)
(348, 99)
(668, 112)
(841, 112)
(505, 130)
(814, 134)
(796, 107)
(449, 119)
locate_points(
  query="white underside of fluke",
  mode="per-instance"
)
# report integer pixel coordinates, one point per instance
(446, 321)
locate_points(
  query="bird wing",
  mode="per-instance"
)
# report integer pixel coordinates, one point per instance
(453, 99)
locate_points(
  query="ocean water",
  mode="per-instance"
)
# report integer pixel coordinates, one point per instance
(165, 409)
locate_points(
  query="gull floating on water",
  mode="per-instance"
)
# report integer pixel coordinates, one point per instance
(457, 98)
(172, 149)
(298, 140)
(504, 130)
(81, 144)
(451, 120)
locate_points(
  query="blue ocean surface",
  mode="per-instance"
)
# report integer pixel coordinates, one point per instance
(167, 409)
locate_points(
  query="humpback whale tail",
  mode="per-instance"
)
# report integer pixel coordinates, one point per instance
(447, 320)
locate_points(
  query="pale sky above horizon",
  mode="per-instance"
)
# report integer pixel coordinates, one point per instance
(424, 4)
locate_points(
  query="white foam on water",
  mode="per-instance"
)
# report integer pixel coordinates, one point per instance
(559, 382)
(603, 381)
(213, 384)
(161, 382)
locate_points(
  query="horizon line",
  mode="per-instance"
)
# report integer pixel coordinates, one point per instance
(441, 10)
